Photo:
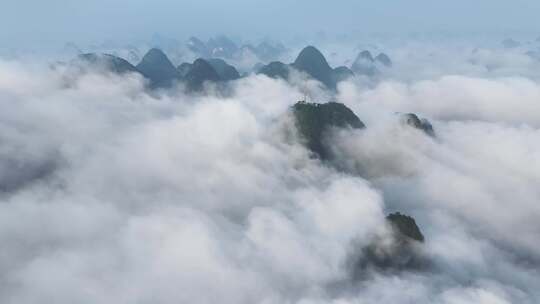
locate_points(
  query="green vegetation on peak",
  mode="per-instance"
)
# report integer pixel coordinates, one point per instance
(314, 119)
(405, 226)
(401, 252)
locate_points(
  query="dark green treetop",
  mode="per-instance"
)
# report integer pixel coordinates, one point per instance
(314, 119)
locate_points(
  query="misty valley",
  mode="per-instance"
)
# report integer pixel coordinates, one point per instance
(314, 170)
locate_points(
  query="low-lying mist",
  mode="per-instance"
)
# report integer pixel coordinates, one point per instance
(111, 193)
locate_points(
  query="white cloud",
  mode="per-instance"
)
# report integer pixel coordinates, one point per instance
(169, 198)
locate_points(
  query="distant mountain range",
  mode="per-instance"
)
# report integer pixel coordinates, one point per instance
(223, 47)
(105, 61)
(314, 123)
(365, 64)
(313, 63)
(160, 72)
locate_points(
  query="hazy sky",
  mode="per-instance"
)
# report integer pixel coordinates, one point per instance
(35, 21)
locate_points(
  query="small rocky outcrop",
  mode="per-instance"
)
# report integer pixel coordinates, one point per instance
(401, 250)
(412, 120)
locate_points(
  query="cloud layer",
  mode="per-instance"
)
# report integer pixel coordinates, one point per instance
(112, 194)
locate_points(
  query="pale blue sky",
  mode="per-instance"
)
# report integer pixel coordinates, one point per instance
(44, 21)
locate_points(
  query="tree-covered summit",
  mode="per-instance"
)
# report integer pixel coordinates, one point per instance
(314, 119)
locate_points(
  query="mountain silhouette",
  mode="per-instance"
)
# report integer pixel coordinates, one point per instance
(341, 73)
(405, 226)
(222, 46)
(364, 64)
(399, 251)
(510, 43)
(184, 68)
(384, 59)
(275, 70)
(157, 67)
(105, 61)
(366, 55)
(201, 71)
(312, 61)
(198, 47)
(414, 121)
(225, 71)
(160, 72)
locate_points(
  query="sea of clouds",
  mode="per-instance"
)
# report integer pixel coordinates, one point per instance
(113, 194)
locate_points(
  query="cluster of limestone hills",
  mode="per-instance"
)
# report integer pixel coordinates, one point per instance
(160, 72)
(402, 249)
(313, 121)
